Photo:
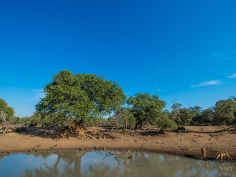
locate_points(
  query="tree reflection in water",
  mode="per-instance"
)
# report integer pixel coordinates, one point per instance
(104, 164)
(173, 166)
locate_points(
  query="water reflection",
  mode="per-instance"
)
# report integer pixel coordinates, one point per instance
(106, 164)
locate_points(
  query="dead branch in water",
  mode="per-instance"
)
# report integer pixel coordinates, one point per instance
(120, 155)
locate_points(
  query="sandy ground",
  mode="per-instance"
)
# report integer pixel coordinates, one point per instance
(188, 144)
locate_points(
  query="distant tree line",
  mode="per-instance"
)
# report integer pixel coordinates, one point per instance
(87, 99)
(222, 113)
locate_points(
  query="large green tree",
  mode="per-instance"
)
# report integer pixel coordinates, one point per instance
(175, 112)
(146, 108)
(208, 116)
(225, 111)
(184, 116)
(196, 113)
(79, 98)
(106, 95)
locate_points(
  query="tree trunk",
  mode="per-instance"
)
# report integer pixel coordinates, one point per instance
(4, 122)
(139, 123)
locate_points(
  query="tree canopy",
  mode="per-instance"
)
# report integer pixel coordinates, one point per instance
(225, 111)
(222, 113)
(105, 95)
(146, 108)
(87, 98)
(185, 116)
(79, 97)
(125, 118)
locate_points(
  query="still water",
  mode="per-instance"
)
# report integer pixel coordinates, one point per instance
(110, 164)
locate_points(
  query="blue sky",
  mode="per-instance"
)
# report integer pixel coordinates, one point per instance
(184, 51)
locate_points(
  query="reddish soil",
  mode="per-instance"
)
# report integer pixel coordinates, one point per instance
(213, 139)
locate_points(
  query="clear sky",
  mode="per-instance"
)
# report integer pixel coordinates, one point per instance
(184, 51)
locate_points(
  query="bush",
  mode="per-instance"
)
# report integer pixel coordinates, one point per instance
(124, 118)
(165, 122)
(146, 108)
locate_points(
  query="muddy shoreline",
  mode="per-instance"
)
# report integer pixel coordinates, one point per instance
(182, 144)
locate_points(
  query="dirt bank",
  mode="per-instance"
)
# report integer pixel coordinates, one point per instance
(189, 144)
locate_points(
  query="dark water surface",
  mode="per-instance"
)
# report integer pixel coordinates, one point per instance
(110, 164)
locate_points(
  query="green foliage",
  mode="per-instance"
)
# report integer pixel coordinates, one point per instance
(206, 118)
(33, 120)
(87, 98)
(175, 113)
(64, 100)
(146, 108)
(197, 118)
(82, 98)
(225, 111)
(106, 95)
(184, 116)
(125, 118)
(9, 111)
(165, 122)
